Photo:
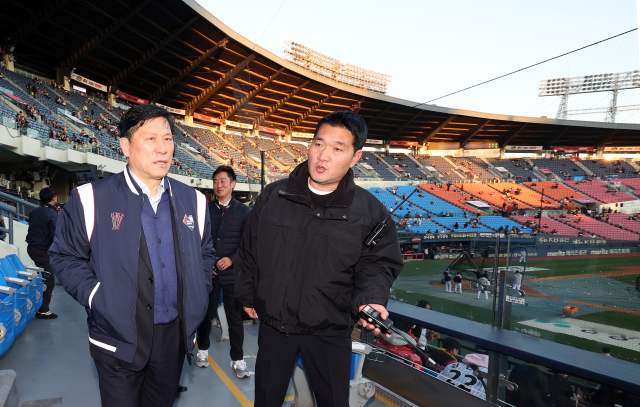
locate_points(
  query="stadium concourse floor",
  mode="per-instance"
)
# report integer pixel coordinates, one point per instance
(51, 359)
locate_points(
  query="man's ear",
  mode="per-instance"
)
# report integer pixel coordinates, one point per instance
(356, 157)
(125, 145)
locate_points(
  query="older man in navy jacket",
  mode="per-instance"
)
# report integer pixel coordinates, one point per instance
(135, 250)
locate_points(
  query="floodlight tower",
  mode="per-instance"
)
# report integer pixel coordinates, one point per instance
(608, 82)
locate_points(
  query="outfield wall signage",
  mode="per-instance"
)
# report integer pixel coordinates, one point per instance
(475, 235)
(524, 148)
(132, 98)
(206, 118)
(88, 82)
(172, 109)
(239, 125)
(79, 89)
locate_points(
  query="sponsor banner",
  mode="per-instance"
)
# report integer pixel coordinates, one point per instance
(284, 162)
(403, 143)
(465, 170)
(502, 169)
(172, 109)
(474, 235)
(206, 118)
(301, 135)
(80, 89)
(444, 146)
(583, 252)
(416, 239)
(598, 333)
(492, 152)
(478, 204)
(188, 147)
(88, 82)
(68, 115)
(372, 141)
(431, 169)
(546, 171)
(615, 149)
(524, 148)
(442, 153)
(571, 240)
(239, 125)
(132, 98)
(398, 169)
(7, 91)
(573, 149)
(476, 145)
(367, 166)
(223, 154)
(271, 130)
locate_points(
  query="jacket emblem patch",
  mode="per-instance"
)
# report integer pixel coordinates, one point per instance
(116, 220)
(188, 220)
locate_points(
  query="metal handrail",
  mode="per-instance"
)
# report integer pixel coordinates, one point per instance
(19, 211)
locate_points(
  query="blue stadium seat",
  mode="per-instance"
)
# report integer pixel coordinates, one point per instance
(8, 326)
(12, 278)
(31, 274)
(18, 296)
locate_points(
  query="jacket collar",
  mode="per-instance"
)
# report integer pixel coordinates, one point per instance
(298, 189)
(135, 188)
(219, 205)
(48, 205)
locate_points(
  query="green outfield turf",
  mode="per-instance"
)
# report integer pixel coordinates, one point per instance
(606, 288)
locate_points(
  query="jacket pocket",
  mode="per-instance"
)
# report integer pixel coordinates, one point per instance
(273, 247)
(93, 293)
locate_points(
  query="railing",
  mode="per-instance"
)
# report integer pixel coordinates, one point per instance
(20, 212)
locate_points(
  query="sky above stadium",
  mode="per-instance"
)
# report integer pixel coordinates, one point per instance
(434, 48)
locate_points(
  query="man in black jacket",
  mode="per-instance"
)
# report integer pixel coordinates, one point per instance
(228, 217)
(303, 269)
(42, 229)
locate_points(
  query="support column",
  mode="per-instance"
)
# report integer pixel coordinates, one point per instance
(502, 151)
(67, 85)
(287, 136)
(256, 132)
(8, 59)
(599, 152)
(188, 119)
(223, 127)
(111, 98)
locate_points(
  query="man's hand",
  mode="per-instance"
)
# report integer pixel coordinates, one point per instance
(224, 263)
(251, 312)
(383, 314)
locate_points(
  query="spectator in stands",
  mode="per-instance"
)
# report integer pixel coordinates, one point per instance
(42, 230)
(228, 217)
(321, 325)
(2, 234)
(461, 374)
(444, 356)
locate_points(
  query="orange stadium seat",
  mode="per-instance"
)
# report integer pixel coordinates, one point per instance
(453, 196)
(559, 193)
(526, 195)
(490, 195)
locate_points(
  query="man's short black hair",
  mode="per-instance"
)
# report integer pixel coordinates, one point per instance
(228, 170)
(47, 194)
(450, 344)
(138, 115)
(350, 121)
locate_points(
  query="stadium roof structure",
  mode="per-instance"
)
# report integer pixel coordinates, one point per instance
(176, 53)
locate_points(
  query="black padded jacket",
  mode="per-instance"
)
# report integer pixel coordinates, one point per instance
(305, 270)
(226, 230)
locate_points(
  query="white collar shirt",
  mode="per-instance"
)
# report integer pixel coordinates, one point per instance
(154, 201)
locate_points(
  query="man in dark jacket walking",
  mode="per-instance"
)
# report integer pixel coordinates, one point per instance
(42, 229)
(135, 250)
(228, 217)
(303, 269)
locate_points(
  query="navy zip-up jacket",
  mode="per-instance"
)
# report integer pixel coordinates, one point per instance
(42, 226)
(95, 256)
(226, 231)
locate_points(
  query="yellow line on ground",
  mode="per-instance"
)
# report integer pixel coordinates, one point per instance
(230, 384)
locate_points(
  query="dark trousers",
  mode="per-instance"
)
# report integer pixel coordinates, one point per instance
(41, 258)
(233, 311)
(328, 362)
(156, 384)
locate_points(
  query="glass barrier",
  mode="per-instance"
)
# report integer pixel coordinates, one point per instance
(564, 296)
(462, 369)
